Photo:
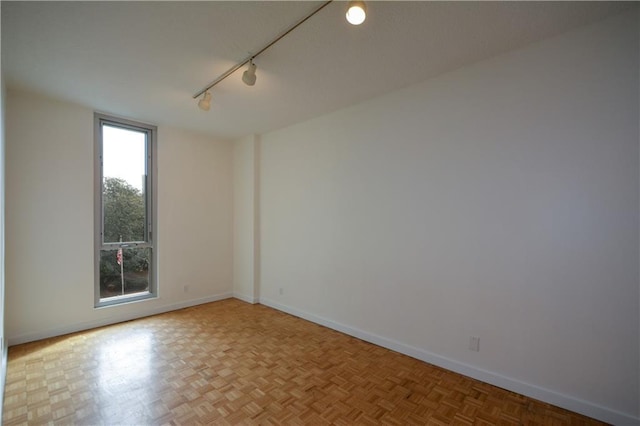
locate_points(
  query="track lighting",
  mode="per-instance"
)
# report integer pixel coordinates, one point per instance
(356, 12)
(205, 103)
(249, 76)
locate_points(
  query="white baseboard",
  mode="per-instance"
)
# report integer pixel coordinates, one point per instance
(245, 298)
(114, 319)
(561, 400)
(3, 374)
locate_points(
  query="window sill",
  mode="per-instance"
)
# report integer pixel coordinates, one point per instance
(125, 299)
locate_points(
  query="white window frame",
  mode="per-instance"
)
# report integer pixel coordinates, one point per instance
(151, 210)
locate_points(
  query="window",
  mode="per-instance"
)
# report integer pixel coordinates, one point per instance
(125, 252)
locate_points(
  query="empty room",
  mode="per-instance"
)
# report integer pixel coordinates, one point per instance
(320, 212)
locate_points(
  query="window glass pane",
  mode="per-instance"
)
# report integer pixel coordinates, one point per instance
(124, 211)
(124, 274)
(123, 186)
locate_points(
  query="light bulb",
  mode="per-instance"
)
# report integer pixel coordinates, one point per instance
(205, 103)
(356, 12)
(249, 76)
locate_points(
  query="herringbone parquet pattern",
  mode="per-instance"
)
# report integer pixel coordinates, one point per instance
(233, 363)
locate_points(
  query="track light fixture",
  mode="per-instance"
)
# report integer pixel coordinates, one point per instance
(249, 76)
(356, 12)
(205, 103)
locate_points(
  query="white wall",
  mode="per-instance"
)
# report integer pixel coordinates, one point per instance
(49, 220)
(3, 341)
(500, 201)
(245, 207)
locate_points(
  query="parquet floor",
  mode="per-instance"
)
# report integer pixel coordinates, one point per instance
(230, 362)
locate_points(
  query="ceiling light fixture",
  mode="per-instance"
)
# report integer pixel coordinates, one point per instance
(249, 76)
(356, 12)
(205, 103)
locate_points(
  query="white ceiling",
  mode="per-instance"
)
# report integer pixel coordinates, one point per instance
(145, 60)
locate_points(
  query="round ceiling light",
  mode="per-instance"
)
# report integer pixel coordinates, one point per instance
(356, 12)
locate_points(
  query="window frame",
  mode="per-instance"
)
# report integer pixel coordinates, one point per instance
(150, 210)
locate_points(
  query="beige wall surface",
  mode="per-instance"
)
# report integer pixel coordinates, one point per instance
(50, 220)
(499, 201)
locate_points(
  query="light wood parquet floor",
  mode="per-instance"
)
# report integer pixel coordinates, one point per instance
(230, 362)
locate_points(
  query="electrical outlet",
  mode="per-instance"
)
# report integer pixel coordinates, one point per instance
(281, 291)
(474, 344)
(186, 288)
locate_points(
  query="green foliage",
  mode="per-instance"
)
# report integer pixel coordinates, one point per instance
(124, 217)
(124, 211)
